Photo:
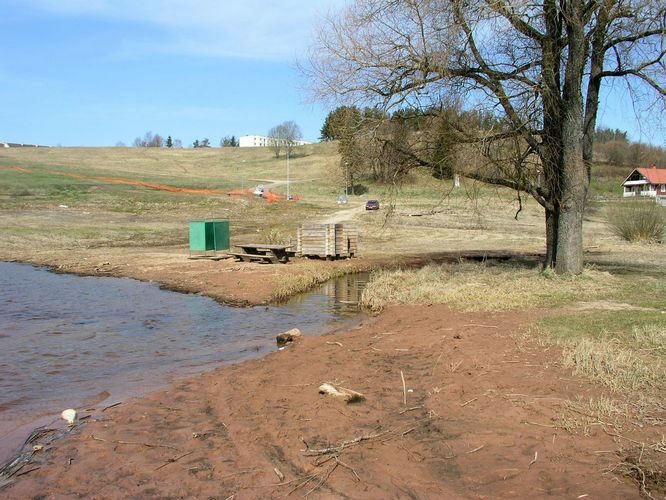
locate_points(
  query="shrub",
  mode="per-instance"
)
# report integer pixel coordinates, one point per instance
(638, 220)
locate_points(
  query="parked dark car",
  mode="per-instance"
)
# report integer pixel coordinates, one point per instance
(372, 205)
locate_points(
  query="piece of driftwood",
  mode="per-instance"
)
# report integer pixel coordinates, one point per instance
(347, 395)
(288, 336)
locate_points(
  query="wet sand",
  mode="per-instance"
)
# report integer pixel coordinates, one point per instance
(479, 416)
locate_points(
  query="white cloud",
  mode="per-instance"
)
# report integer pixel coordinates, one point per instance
(261, 29)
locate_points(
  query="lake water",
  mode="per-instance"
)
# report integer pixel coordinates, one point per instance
(72, 342)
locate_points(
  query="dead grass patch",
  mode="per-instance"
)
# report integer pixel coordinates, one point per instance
(614, 365)
(482, 287)
(309, 275)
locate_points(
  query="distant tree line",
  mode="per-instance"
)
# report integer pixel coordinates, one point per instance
(150, 140)
(384, 147)
(229, 142)
(615, 148)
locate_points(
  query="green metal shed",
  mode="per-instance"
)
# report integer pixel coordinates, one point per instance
(209, 234)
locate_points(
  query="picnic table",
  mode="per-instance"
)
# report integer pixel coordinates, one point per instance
(269, 254)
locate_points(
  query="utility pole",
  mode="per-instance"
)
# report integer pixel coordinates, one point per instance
(288, 193)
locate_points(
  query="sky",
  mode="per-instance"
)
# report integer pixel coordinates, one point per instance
(100, 72)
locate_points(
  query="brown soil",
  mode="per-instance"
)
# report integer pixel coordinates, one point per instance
(483, 418)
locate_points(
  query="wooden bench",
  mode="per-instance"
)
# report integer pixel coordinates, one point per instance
(249, 257)
(263, 253)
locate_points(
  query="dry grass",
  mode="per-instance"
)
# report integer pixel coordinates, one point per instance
(308, 275)
(621, 368)
(638, 220)
(482, 287)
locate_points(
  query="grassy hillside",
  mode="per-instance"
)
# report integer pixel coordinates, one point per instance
(58, 196)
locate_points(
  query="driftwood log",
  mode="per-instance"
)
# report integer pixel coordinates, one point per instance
(288, 336)
(346, 395)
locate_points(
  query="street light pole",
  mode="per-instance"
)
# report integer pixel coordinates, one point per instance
(288, 193)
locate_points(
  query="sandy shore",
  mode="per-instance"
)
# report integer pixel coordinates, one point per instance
(480, 415)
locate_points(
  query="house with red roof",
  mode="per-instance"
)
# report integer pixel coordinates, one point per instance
(646, 182)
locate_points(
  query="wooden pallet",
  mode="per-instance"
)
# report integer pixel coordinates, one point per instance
(327, 240)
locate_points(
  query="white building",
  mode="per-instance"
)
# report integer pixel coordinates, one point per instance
(261, 141)
(254, 141)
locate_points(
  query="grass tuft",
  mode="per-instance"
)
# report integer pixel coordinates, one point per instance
(635, 221)
(618, 367)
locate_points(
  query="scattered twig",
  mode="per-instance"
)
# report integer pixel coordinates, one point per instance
(278, 473)
(621, 437)
(249, 471)
(641, 480)
(408, 431)
(148, 445)
(536, 454)
(410, 409)
(112, 406)
(540, 425)
(340, 462)
(23, 473)
(454, 367)
(468, 402)
(432, 372)
(482, 326)
(476, 449)
(335, 343)
(404, 389)
(172, 460)
(345, 444)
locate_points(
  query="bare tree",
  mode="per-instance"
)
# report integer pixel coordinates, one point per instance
(286, 135)
(149, 141)
(537, 66)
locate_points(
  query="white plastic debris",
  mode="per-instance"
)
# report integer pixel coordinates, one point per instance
(69, 415)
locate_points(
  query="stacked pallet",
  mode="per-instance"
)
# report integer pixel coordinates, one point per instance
(327, 240)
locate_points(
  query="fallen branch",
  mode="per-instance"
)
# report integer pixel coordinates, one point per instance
(536, 454)
(476, 449)
(468, 402)
(334, 343)
(404, 389)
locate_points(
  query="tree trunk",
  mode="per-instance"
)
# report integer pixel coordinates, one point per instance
(570, 242)
(573, 176)
(551, 239)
